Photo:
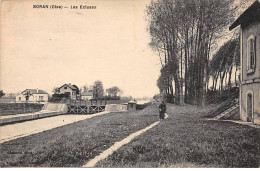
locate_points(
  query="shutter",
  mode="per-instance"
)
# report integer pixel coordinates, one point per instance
(254, 53)
(248, 55)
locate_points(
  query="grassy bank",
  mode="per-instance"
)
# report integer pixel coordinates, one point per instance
(74, 144)
(185, 139)
(18, 108)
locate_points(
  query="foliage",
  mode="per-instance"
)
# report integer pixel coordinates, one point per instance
(59, 97)
(183, 33)
(84, 88)
(98, 90)
(219, 96)
(223, 62)
(108, 98)
(19, 108)
(27, 95)
(157, 97)
(114, 91)
(2, 93)
(56, 90)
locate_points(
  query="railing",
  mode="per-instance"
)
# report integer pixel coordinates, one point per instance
(86, 109)
(228, 112)
(93, 102)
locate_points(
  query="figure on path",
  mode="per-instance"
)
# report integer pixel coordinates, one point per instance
(162, 110)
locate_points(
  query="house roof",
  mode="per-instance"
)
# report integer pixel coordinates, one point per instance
(34, 91)
(70, 86)
(251, 14)
(86, 93)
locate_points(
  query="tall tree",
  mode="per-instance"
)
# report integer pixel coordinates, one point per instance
(183, 33)
(114, 91)
(223, 62)
(98, 90)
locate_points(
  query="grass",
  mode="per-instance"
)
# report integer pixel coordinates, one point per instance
(187, 140)
(184, 139)
(74, 144)
(18, 108)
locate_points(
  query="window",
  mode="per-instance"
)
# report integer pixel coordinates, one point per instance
(65, 87)
(251, 54)
(20, 98)
(40, 98)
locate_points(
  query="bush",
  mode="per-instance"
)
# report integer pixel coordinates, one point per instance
(59, 97)
(219, 96)
(18, 106)
(170, 98)
(108, 98)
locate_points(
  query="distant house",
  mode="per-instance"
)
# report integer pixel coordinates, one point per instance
(69, 89)
(87, 95)
(32, 96)
(249, 21)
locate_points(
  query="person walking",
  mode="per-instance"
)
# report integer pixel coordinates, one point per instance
(162, 110)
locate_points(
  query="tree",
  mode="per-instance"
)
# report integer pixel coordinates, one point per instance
(223, 62)
(113, 91)
(98, 90)
(2, 93)
(27, 95)
(85, 88)
(183, 33)
(56, 90)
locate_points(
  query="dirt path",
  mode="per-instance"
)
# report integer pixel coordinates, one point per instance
(119, 144)
(11, 132)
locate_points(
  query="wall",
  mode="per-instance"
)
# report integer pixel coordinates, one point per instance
(250, 83)
(253, 29)
(255, 90)
(33, 98)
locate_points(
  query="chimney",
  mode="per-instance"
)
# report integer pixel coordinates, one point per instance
(37, 90)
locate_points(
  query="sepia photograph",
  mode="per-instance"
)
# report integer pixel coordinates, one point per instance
(129, 84)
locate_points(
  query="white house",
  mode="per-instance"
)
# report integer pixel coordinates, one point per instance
(69, 89)
(33, 95)
(249, 22)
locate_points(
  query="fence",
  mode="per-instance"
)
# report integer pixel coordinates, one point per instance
(86, 109)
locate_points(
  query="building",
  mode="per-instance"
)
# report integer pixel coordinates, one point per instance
(87, 95)
(249, 22)
(32, 96)
(69, 89)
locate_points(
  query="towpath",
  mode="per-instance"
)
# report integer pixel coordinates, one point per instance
(13, 131)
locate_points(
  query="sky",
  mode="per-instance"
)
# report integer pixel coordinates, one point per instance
(46, 48)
